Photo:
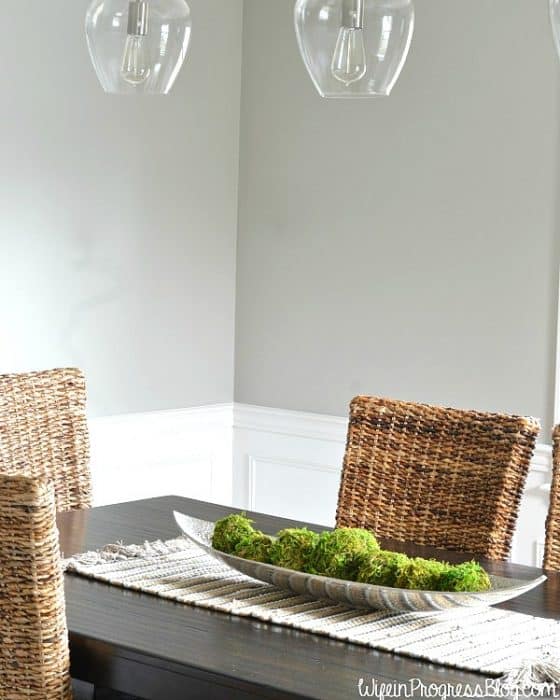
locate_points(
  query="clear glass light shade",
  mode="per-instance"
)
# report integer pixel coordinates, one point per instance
(138, 46)
(555, 21)
(354, 48)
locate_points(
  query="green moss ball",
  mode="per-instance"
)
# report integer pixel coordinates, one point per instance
(255, 546)
(293, 547)
(230, 531)
(468, 577)
(382, 569)
(422, 574)
(340, 553)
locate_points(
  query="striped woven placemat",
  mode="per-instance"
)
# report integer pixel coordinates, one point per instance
(486, 640)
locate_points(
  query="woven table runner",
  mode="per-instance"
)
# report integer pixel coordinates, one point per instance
(487, 640)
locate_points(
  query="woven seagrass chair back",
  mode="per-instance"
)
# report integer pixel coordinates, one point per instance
(552, 544)
(34, 655)
(43, 432)
(435, 476)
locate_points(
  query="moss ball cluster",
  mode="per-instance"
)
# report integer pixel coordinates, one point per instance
(421, 574)
(383, 569)
(340, 553)
(467, 577)
(256, 547)
(400, 571)
(352, 554)
(293, 548)
(231, 531)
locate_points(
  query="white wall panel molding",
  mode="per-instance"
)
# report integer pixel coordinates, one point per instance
(306, 490)
(185, 452)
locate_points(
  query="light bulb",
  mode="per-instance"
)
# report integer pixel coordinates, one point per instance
(349, 58)
(135, 67)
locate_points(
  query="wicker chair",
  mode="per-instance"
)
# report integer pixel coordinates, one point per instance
(435, 476)
(43, 431)
(552, 545)
(34, 655)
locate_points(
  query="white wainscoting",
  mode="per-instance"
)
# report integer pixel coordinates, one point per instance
(185, 452)
(288, 463)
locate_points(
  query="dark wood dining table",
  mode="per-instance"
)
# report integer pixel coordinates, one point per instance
(162, 650)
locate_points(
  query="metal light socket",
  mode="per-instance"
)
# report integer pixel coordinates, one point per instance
(137, 18)
(353, 14)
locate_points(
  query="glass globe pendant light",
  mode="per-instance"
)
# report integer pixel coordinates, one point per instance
(354, 48)
(138, 46)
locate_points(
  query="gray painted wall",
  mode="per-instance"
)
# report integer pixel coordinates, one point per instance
(407, 246)
(119, 215)
(421, 264)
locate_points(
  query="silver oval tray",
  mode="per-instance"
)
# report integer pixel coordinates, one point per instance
(361, 595)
